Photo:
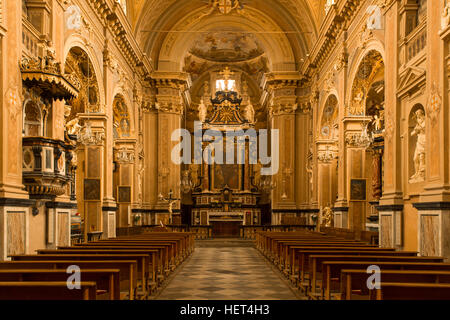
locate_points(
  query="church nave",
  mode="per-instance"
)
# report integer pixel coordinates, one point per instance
(226, 270)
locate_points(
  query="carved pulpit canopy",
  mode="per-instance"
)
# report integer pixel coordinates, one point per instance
(45, 74)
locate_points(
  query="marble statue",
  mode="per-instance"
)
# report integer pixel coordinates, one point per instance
(310, 172)
(202, 111)
(250, 113)
(419, 153)
(73, 127)
(140, 178)
(445, 17)
(377, 122)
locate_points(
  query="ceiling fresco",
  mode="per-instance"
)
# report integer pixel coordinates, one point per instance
(226, 46)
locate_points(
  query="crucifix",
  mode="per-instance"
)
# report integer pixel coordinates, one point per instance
(226, 73)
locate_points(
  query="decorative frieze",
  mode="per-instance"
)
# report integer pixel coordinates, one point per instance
(434, 105)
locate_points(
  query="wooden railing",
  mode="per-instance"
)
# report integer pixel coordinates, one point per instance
(249, 232)
(370, 237)
(201, 232)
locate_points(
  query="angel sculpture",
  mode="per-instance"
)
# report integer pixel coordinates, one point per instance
(73, 127)
(250, 113)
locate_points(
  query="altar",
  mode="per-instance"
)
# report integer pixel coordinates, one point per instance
(226, 217)
(226, 196)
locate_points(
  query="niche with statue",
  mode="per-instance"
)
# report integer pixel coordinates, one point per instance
(417, 144)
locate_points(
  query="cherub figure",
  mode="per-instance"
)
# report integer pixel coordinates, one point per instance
(73, 127)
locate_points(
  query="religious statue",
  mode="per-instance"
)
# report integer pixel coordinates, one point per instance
(206, 89)
(171, 203)
(140, 178)
(358, 101)
(250, 113)
(445, 17)
(74, 160)
(67, 110)
(73, 127)
(202, 111)
(194, 169)
(327, 217)
(419, 153)
(213, 6)
(310, 172)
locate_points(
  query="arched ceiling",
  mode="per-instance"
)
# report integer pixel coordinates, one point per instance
(282, 30)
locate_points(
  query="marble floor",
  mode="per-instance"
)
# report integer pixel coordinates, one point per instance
(227, 270)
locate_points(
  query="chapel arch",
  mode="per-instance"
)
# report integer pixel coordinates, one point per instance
(327, 152)
(365, 140)
(123, 150)
(80, 67)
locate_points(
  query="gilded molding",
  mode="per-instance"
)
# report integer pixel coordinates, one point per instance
(434, 105)
(111, 17)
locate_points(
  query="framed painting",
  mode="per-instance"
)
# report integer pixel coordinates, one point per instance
(358, 189)
(226, 175)
(124, 194)
(92, 190)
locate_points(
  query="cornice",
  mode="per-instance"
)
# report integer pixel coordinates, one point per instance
(337, 20)
(113, 18)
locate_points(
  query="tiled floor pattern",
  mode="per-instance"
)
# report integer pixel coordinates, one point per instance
(224, 270)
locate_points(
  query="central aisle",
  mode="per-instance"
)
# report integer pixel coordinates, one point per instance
(227, 270)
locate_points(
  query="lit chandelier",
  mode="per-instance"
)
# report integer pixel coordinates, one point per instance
(325, 156)
(364, 140)
(87, 137)
(124, 156)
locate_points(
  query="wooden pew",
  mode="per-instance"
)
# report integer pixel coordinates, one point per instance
(163, 255)
(107, 280)
(292, 250)
(142, 262)
(151, 269)
(305, 254)
(127, 270)
(315, 262)
(285, 247)
(46, 291)
(411, 291)
(354, 282)
(333, 269)
(303, 265)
